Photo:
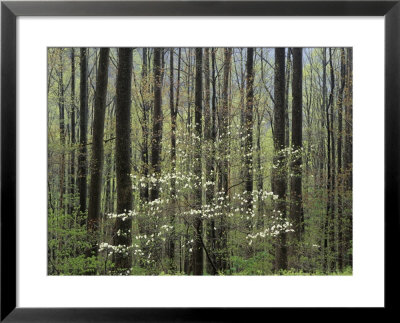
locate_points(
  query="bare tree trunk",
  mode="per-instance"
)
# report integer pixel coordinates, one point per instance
(61, 107)
(73, 139)
(279, 158)
(83, 119)
(157, 124)
(260, 182)
(331, 198)
(198, 224)
(348, 156)
(97, 160)
(224, 150)
(174, 112)
(248, 125)
(210, 177)
(328, 180)
(189, 84)
(296, 210)
(144, 190)
(122, 229)
(339, 158)
(288, 70)
(144, 169)
(156, 144)
(209, 153)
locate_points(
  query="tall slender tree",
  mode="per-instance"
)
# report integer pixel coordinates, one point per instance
(144, 189)
(287, 87)
(157, 124)
(177, 102)
(328, 165)
(97, 160)
(339, 159)
(61, 109)
(83, 119)
(296, 163)
(224, 164)
(348, 160)
(173, 112)
(156, 146)
(208, 152)
(198, 225)
(331, 192)
(211, 173)
(73, 131)
(123, 225)
(348, 155)
(248, 126)
(279, 176)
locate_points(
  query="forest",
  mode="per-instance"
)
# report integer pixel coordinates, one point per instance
(199, 161)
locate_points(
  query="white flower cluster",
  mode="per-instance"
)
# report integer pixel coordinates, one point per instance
(190, 244)
(186, 180)
(272, 231)
(122, 233)
(265, 194)
(110, 249)
(290, 151)
(123, 216)
(166, 227)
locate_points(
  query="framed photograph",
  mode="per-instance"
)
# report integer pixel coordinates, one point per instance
(186, 160)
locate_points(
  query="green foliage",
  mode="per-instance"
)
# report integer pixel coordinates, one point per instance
(67, 246)
(260, 264)
(138, 271)
(292, 272)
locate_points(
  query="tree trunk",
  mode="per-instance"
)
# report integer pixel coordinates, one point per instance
(224, 150)
(332, 242)
(260, 177)
(122, 229)
(156, 146)
(198, 225)
(328, 157)
(348, 156)
(61, 107)
(296, 162)
(288, 70)
(279, 158)
(83, 119)
(211, 130)
(73, 139)
(173, 111)
(97, 160)
(339, 159)
(144, 190)
(248, 147)
(157, 124)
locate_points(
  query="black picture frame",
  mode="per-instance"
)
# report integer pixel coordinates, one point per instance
(11, 10)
